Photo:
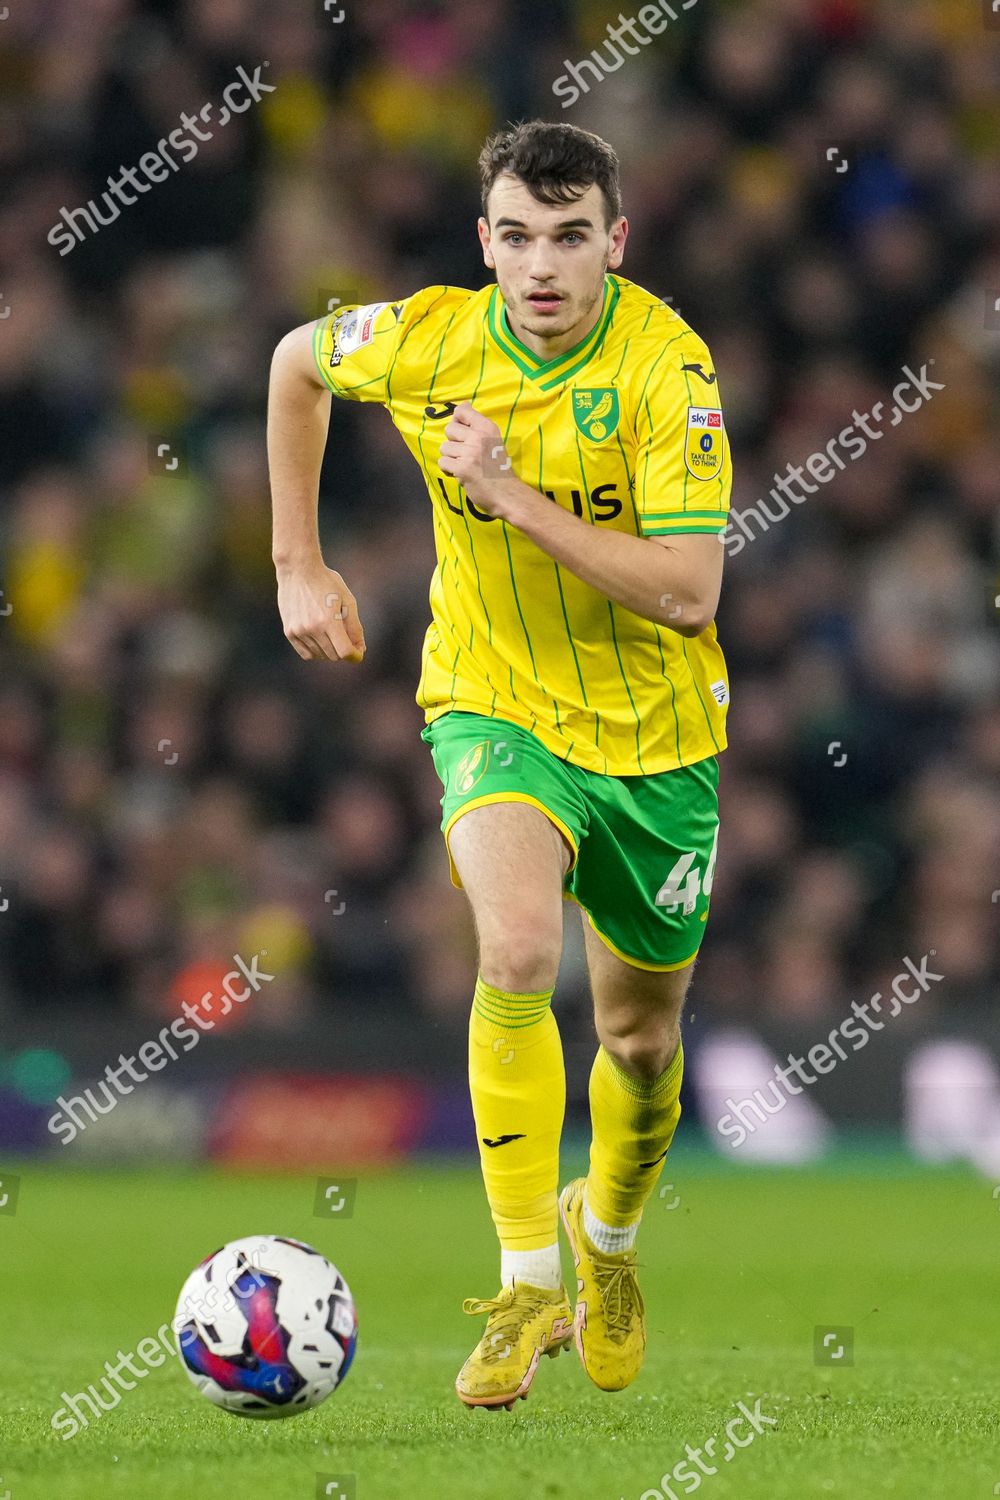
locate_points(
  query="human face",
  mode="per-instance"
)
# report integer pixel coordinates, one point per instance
(550, 261)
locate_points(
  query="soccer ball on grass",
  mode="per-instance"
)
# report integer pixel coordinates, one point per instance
(266, 1327)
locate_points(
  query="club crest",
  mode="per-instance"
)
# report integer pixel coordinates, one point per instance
(596, 411)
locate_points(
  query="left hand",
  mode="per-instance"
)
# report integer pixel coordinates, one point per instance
(473, 453)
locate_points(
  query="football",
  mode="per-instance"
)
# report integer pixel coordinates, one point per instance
(266, 1327)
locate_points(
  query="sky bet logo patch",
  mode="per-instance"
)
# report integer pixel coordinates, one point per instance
(703, 444)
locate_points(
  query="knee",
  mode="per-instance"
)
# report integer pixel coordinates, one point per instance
(646, 1053)
(523, 959)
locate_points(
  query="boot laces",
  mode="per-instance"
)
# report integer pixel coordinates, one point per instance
(620, 1295)
(507, 1315)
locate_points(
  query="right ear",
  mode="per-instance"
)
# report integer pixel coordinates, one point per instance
(484, 240)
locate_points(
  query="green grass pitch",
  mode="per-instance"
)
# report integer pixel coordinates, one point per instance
(738, 1275)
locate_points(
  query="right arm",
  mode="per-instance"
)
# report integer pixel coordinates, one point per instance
(318, 611)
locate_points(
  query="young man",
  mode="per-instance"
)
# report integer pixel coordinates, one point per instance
(569, 431)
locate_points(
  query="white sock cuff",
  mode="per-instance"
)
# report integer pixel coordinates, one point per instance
(536, 1267)
(611, 1238)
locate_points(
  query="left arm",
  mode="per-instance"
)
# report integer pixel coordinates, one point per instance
(674, 581)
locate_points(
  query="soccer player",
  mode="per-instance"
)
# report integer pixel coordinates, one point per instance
(568, 427)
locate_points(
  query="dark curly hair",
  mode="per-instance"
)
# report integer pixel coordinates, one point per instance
(557, 163)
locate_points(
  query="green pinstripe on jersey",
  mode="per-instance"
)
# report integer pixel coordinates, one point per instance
(420, 445)
(407, 331)
(513, 633)
(506, 541)
(701, 700)
(465, 518)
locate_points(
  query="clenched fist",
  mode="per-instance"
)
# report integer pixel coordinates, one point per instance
(473, 453)
(319, 613)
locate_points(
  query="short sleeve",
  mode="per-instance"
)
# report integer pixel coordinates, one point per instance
(354, 348)
(683, 466)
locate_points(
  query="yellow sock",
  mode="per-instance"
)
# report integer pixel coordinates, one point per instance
(518, 1087)
(633, 1124)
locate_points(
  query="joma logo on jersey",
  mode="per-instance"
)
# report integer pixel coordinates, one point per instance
(596, 411)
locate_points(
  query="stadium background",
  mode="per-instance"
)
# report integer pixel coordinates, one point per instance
(177, 787)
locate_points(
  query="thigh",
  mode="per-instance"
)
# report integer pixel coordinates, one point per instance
(512, 821)
(512, 860)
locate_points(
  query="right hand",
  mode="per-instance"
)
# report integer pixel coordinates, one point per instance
(319, 613)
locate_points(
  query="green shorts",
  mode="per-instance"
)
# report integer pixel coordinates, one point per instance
(643, 846)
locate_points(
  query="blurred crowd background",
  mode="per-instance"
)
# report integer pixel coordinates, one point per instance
(176, 786)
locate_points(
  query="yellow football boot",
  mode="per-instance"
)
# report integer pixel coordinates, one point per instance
(610, 1323)
(524, 1323)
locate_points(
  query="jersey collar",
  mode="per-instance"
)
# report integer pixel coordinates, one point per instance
(552, 372)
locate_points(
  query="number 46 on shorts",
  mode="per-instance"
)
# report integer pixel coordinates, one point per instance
(685, 882)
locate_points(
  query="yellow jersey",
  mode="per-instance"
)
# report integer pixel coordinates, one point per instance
(625, 430)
